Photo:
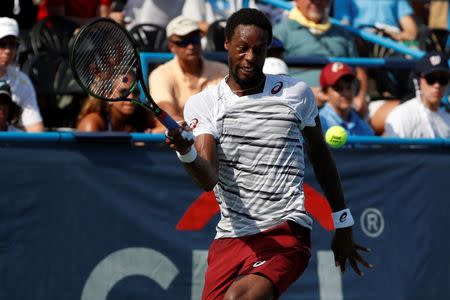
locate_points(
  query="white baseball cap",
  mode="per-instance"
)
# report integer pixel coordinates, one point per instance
(8, 26)
(181, 26)
(275, 66)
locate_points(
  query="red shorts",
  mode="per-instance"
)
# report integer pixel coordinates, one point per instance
(280, 254)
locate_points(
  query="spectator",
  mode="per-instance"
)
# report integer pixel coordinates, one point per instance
(208, 11)
(394, 17)
(79, 11)
(274, 63)
(308, 32)
(22, 90)
(151, 11)
(339, 84)
(97, 115)
(422, 116)
(187, 73)
(9, 111)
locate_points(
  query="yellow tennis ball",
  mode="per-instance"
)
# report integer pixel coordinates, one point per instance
(336, 136)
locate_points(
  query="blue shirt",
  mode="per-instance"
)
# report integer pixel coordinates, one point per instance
(369, 12)
(355, 125)
(299, 41)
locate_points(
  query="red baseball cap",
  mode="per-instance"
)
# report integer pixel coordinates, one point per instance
(332, 72)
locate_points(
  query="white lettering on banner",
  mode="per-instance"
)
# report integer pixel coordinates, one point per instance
(372, 222)
(330, 280)
(199, 264)
(159, 268)
(128, 262)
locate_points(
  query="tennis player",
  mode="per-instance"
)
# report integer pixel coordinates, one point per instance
(251, 131)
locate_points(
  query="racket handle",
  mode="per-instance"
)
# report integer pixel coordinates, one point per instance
(167, 120)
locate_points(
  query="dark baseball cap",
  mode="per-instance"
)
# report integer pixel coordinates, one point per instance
(433, 62)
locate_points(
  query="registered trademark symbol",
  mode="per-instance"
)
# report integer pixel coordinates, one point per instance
(372, 222)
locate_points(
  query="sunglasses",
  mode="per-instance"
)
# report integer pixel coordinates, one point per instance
(432, 79)
(10, 45)
(342, 85)
(136, 92)
(194, 40)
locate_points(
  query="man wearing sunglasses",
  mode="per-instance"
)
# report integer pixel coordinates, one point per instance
(340, 85)
(22, 90)
(188, 73)
(424, 116)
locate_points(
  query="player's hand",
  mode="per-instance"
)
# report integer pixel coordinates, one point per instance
(180, 139)
(345, 249)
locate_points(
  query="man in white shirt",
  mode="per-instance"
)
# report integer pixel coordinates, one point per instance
(251, 130)
(423, 116)
(23, 93)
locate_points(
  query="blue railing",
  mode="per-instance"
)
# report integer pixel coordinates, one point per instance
(69, 137)
(368, 36)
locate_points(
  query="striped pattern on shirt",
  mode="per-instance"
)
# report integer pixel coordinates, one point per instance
(260, 152)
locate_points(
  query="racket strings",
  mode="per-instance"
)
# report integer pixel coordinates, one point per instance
(105, 59)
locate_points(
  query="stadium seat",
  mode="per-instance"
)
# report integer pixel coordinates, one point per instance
(434, 40)
(390, 83)
(149, 37)
(58, 93)
(215, 36)
(52, 34)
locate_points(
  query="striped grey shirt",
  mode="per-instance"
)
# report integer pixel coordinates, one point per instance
(260, 152)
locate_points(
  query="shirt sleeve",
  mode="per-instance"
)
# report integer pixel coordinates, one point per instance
(404, 9)
(393, 125)
(26, 98)
(306, 108)
(199, 114)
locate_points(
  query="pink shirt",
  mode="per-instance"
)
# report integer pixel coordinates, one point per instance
(168, 83)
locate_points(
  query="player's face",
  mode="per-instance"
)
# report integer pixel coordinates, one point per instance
(340, 95)
(314, 10)
(247, 50)
(433, 87)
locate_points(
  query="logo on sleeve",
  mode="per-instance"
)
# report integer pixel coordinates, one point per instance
(194, 123)
(277, 87)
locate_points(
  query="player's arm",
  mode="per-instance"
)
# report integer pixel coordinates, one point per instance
(328, 177)
(204, 165)
(324, 166)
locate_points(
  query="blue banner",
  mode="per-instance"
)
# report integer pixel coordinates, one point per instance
(107, 221)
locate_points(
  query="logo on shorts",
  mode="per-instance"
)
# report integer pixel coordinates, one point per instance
(258, 263)
(277, 87)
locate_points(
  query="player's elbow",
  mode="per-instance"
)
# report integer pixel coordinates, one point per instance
(207, 184)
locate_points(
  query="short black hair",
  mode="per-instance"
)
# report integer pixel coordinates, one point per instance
(248, 16)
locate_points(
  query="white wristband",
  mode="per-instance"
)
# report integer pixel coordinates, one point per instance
(188, 157)
(342, 218)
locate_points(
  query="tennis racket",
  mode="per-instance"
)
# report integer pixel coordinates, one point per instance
(106, 64)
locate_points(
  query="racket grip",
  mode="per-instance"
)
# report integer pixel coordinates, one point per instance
(167, 120)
